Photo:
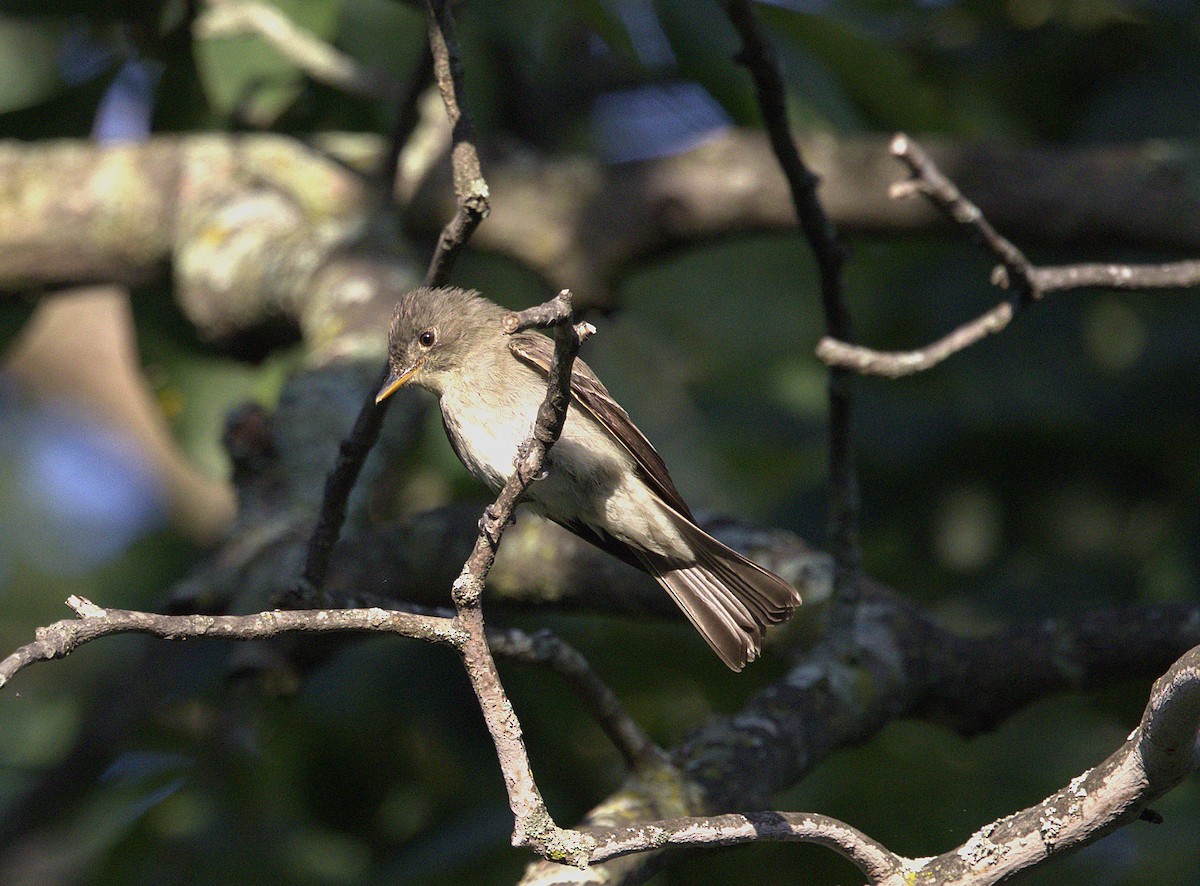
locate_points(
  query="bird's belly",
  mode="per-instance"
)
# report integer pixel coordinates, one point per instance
(590, 478)
(579, 467)
(488, 449)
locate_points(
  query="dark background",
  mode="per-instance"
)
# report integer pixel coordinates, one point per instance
(1045, 470)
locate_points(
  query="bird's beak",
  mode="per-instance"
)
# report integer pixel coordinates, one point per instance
(395, 381)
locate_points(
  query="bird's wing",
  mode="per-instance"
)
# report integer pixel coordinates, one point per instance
(588, 392)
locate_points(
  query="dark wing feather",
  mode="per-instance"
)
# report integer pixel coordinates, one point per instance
(588, 392)
(729, 599)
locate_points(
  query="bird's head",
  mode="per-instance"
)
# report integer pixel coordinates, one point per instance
(436, 333)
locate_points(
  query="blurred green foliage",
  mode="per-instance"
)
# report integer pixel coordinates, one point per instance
(1046, 470)
(241, 75)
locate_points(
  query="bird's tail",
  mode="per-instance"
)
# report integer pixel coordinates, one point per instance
(728, 599)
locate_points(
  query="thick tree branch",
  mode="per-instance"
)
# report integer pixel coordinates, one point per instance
(255, 227)
(1015, 272)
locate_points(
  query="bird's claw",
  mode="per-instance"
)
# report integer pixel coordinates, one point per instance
(523, 453)
(490, 524)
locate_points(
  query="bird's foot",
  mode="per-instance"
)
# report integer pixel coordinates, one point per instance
(523, 453)
(491, 525)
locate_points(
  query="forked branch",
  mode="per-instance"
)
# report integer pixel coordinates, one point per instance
(1027, 283)
(533, 826)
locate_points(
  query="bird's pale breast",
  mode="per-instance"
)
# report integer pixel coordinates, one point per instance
(591, 477)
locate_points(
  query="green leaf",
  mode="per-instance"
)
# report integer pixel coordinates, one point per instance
(600, 17)
(29, 71)
(247, 76)
(883, 83)
(704, 44)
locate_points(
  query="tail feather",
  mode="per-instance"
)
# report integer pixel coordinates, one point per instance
(725, 624)
(766, 594)
(769, 597)
(726, 597)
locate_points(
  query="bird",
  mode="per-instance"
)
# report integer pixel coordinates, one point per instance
(603, 480)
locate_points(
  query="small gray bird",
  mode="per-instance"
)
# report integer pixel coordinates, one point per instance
(604, 480)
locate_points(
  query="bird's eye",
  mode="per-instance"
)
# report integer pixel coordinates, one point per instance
(427, 338)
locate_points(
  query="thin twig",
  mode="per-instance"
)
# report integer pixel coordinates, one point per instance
(1014, 272)
(64, 637)
(1169, 275)
(533, 826)
(547, 650)
(928, 180)
(543, 649)
(895, 364)
(539, 316)
(471, 190)
(316, 58)
(757, 55)
(352, 454)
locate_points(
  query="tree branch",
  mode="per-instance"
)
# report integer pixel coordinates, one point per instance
(533, 826)
(899, 662)
(64, 637)
(1028, 283)
(1169, 275)
(757, 55)
(546, 650)
(543, 649)
(80, 213)
(470, 189)
(1156, 757)
(871, 857)
(472, 193)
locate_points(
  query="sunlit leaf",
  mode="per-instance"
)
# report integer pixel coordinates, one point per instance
(246, 76)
